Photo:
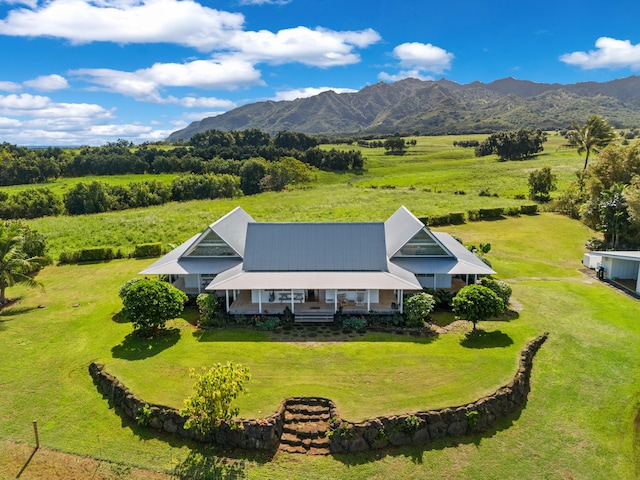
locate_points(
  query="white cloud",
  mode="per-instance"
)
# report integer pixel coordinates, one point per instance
(401, 75)
(82, 21)
(23, 102)
(423, 57)
(47, 83)
(609, 53)
(145, 84)
(319, 47)
(307, 92)
(9, 123)
(206, 102)
(196, 116)
(10, 86)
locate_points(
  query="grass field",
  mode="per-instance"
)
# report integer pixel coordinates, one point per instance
(578, 421)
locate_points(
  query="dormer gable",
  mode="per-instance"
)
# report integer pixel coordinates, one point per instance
(406, 236)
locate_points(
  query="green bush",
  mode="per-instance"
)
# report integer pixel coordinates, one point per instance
(266, 322)
(149, 304)
(512, 211)
(439, 220)
(500, 288)
(145, 250)
(211, 314)
(417, 309)
(473, 215)
(457, 218)
(476, 302)
(529, 209)
(487, 213)
(354, 323)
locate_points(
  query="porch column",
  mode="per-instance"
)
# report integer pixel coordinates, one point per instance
(260, 301)
(401, 302)
(466, 280)
(199, 283)
(226, 294)
(293, 304)
(335, 301)
(475, 278)
(435, 281)
(368, 300)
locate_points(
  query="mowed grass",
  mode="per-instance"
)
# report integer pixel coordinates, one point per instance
(578, 421)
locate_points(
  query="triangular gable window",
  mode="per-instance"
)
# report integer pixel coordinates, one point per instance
(211, 245)
(422, 245)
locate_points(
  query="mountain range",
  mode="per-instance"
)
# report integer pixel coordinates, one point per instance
(426, 107)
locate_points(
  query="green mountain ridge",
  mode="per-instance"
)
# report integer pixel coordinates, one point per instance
(436, 108)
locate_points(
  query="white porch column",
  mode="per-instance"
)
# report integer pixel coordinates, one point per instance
(199, 283)
(226, 294)
(401, 302)
(259, 301)
(368, 300)
(335, 301)
(466, 280)
(293, 304)
(435, 281)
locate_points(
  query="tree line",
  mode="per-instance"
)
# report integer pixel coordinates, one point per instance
(256, 175)
(213, 151)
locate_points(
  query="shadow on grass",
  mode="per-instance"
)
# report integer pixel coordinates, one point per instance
(507, 316)
(136, 348)
(484, 339)
(14, 311)
(120, 317)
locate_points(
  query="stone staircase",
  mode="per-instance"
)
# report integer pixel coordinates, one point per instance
(306, 421)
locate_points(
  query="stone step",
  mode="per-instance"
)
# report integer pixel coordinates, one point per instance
(306, 430)
(292, 439)
(293, 448)
(307, 409)
(314, 401)
(301, 417)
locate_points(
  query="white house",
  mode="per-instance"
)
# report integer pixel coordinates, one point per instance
(621, 267)
(317, 269)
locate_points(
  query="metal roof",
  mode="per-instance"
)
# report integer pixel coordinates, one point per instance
(399, 229)
(232, 228)
(173, 263)
(317, 247)
(238, 279)
(623, 255)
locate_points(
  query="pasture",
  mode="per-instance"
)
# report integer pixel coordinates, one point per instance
(578, 421)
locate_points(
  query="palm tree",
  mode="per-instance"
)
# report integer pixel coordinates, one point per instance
(15, 267)
(593, 136)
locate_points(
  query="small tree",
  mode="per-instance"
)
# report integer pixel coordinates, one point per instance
(541, 183)
(417, 309)
(500, 288)
(214, 391)
(475, 303)
(149, 304)
(210, 314)
(395, 145)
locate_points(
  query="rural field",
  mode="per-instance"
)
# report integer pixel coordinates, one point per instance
(580, 420)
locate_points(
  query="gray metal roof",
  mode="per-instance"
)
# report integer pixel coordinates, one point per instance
(622, 254)
(173, 263)
(232, 228)
(319, 247)
(399, 229)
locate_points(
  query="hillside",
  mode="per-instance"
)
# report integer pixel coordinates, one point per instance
(437, 108)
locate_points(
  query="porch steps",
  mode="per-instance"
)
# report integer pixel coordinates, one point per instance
(306, 422)
(313, 317)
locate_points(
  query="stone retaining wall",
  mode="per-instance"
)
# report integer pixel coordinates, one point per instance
(397, 430)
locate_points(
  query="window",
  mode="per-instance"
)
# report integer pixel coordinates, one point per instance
(421, 245)
(212, 246)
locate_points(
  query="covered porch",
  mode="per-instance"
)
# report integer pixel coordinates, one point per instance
(314, 302)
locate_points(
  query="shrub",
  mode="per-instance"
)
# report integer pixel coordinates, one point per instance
(354, 323)
(541, 183)
(214, 391)
(595, 244)
(149, 304)
(473, 215)
(439, 220)
(126, 285)
(210, 312)
(145, 250)
(417, 309)
(457, 218)
(529, 209)
(411, 424)
(512, 211)
(485, 213)
(266, 323)
(500, 288)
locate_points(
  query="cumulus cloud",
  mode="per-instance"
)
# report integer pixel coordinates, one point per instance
(206, 102)
(308, 92)
(318, 47)
(48, 83)
(184, 22)
(10, 87)
(146, 84)
(81, 21)
(9, 123)
(418, 60)
(609, 53)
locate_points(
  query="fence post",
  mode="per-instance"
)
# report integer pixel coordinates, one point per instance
(35, 431)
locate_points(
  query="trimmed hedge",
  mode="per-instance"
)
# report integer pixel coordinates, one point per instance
(145, 250)
(485, 213)
(529, 209)
(90, 254)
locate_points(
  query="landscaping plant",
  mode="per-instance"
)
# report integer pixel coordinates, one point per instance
(417, 309)
(476, 302)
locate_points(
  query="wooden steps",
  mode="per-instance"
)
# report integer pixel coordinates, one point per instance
(306, 422)
(313, 317)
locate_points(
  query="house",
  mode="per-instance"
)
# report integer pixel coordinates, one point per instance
(621, 267)
(318, 269)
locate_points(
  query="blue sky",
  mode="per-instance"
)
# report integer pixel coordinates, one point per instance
(81, 72)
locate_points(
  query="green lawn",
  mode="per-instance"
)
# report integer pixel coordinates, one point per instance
(577, 423)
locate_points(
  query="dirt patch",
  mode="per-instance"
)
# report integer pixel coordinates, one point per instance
(24, 462)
